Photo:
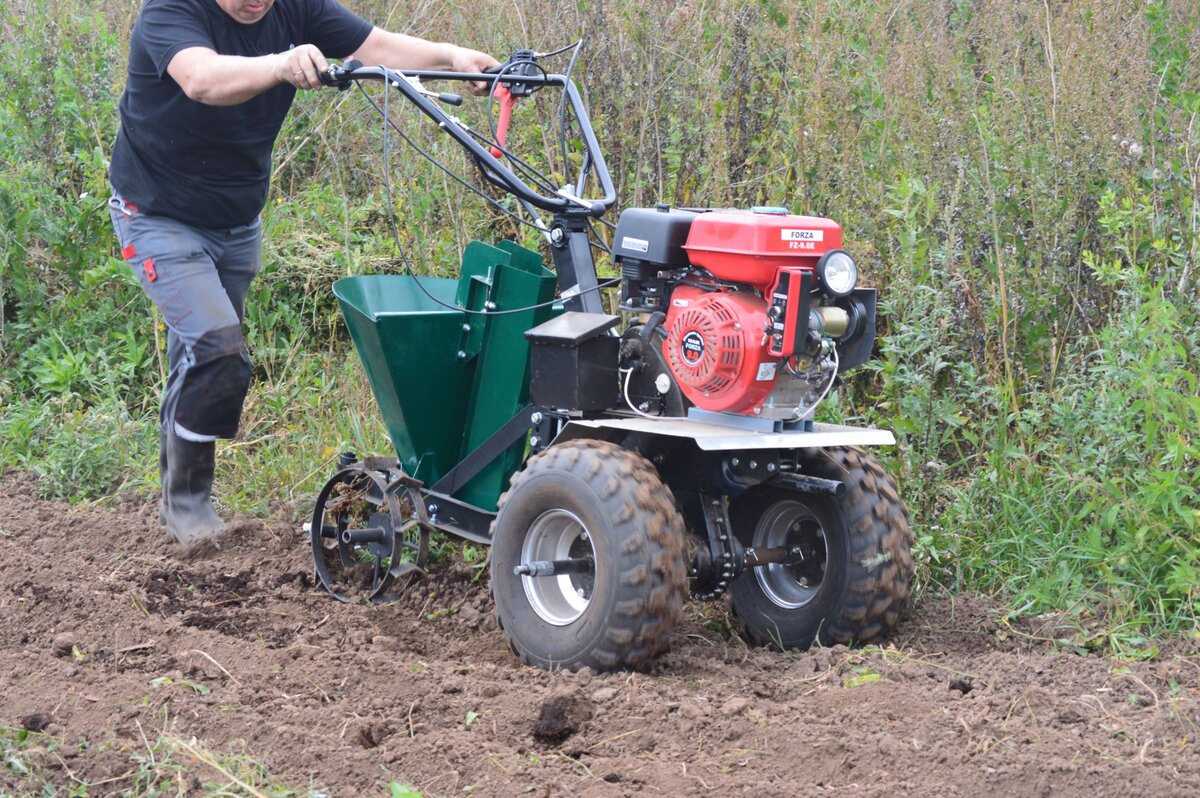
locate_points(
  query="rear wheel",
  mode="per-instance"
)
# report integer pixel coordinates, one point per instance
(603, 516)
(851, 580)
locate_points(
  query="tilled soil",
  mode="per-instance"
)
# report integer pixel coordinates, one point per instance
(108, 636)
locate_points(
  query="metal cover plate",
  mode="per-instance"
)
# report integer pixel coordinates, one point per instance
(716, 438)
(572, 327)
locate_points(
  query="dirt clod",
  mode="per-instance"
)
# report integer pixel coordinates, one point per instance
(36, 721)
(561, 716)
(63, 644)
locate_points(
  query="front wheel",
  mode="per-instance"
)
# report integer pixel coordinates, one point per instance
(601, 515)
(850, 579)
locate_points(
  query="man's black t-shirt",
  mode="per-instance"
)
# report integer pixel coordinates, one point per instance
(206, 165)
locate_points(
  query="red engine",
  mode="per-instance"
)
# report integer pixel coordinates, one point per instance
(756, 303)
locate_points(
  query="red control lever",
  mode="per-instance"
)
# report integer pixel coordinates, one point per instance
(507, 101)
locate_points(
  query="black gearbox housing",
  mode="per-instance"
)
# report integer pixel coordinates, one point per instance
(647, 242)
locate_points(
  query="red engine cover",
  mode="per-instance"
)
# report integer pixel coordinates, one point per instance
(715, 349)
(750, 246)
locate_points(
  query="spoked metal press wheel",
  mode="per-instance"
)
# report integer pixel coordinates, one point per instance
(588, 559)
(850, 562)
(365, 535)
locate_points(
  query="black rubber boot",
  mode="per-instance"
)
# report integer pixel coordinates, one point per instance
(162, 474)
(187, 509)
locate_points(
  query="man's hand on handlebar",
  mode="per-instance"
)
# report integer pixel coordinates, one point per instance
(301, 66)
(465, 60)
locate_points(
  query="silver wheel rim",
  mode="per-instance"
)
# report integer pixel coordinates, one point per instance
(790, 523)
(558, 535)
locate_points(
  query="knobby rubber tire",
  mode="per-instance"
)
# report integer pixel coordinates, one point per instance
(638, 538)
(869, 549)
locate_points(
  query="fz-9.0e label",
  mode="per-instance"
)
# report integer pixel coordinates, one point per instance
(802, 239)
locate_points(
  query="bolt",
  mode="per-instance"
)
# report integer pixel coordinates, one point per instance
(735, 462)
(466, 328)
(489, 305)
(753, 465)
(724, 537)
(583, 536)
(770, 468)
(536, 418)
(433, 508)
(462, 355)
(533, 440)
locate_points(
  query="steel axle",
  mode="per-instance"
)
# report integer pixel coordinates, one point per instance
(579, 565)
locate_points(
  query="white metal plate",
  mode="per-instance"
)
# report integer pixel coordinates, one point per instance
(716, 438)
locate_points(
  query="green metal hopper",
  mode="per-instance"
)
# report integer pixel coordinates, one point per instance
(445, 379)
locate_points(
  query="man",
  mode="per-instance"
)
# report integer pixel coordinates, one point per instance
(209, 84)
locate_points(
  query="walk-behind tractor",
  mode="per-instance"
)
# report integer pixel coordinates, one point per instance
(618, 464)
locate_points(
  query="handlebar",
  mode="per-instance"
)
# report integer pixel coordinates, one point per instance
(517, 82)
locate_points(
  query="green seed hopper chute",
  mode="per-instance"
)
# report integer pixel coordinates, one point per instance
(445, 379)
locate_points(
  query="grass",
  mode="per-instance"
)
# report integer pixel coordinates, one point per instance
(1020, 180)
(37, 764)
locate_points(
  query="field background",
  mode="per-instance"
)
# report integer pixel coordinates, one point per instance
(1019, 178)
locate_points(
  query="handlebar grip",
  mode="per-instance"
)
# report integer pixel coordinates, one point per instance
(336, 75)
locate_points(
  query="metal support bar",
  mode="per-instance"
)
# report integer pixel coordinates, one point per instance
(574, 264)
(482, 456)
(810, 484)
(458, 518)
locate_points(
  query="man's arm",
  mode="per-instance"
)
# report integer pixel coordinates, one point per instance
(399, 51)
(213, 79)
